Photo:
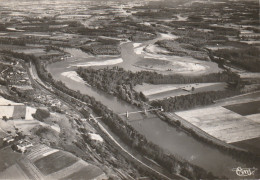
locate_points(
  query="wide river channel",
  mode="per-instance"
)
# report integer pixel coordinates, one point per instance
(171, 139)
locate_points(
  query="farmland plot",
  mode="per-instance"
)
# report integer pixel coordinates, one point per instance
(222, 123)
(13, 172)
(55, 162)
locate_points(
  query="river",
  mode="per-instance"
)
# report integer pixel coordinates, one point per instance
(155, 130)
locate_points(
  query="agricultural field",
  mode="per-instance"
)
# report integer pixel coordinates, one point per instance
(155, 92)
(224, 123)
(47, 163)
(54, 162)
(245, 109)
(17, 112)
(8, 158)
(5, 102)
(244, 98)
(13, 172)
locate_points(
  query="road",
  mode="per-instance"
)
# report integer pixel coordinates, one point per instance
(37, 81)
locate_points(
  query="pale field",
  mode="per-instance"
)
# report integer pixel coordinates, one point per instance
(150, 89)
(244, 98)
(6, 102)
(56, 127)
(222, 123)
(29, 112)
(161, 91)
(249, 75)
(99, 63)
(254, 117)
(6, 111)
(6, 126)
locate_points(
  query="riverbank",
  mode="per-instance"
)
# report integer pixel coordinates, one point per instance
(113, 121)
(201, 155)
(174, 120)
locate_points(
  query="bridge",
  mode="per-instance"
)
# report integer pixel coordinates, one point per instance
(127, 114)
(143, 111)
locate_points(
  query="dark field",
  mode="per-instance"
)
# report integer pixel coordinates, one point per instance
(89, 172)
(8, 157)
(245, 108)
(55, 162)
(19, 111)
(252, 145)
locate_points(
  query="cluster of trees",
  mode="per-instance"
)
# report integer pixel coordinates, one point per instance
(54, 48)
(141, 36)
(155, 14)
(120, 76)
(129, 135)
(190, 48)
(121, 83)
(104, 49)
(192, 100)
(12, 41)
(2, 27)
(225, 31)
(25, 57)
(98, 32)
(3, 82)
(113, 81)
(247, 58)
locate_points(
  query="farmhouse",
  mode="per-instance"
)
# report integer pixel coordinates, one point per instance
(24, 145)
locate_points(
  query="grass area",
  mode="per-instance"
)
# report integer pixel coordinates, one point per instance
(8, 157)
(19, 111)
(55, 162)
(13, 172)
(89, 172)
